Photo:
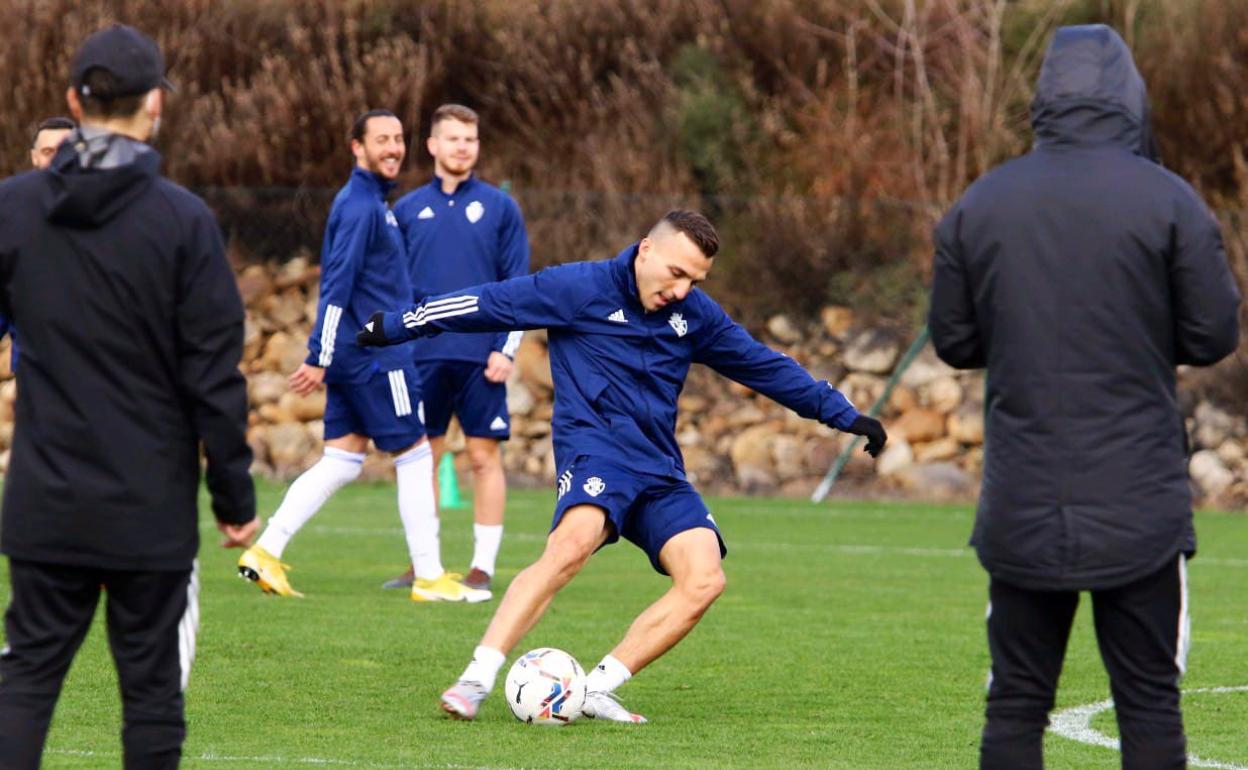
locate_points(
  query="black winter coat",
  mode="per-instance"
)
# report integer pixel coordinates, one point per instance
(1080, 275)
(132, 332)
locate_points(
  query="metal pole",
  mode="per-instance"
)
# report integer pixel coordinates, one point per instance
(911, 353)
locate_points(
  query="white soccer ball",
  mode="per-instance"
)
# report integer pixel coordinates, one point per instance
(546, 687)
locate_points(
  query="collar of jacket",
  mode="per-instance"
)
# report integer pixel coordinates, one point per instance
(370, 182)
(625, 273)
(463, 187)
(80, 195)
(102, 149)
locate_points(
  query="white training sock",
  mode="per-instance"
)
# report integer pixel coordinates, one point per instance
(608, 675)
(486, 661)
(414, 469)
(486, 539)
(307, 494)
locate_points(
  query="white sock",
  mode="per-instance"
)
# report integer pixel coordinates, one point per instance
(486, 661)
(486, 539)
(307, 494)
(608, 675)
(414, 469)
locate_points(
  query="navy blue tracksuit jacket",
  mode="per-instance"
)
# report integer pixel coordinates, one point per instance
(363, 267)
(618, 370)
(474, 235)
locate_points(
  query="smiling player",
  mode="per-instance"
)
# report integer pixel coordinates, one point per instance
(372, 394)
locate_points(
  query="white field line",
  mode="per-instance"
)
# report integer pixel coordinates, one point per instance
(1075, 723)
(863, 549)
(279, 761)
(528, 537)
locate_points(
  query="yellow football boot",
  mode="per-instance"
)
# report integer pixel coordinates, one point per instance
(447, 588)
(267, 571)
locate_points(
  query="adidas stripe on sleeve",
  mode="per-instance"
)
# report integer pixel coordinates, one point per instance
(329, 333)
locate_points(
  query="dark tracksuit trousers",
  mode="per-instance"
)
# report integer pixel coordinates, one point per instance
(152, 618)
(1142, 632)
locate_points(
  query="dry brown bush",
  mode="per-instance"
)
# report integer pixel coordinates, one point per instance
(825, 138)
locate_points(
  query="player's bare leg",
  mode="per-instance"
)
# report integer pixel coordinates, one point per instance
(352, 442)
(438, 445)
(692, 559)
(581, 530)
(489, 498)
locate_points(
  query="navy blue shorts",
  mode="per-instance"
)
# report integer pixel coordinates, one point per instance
(460, 388)
(647, 510)
(386, 409)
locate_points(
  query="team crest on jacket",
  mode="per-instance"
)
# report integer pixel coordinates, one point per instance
(677, 322)
(474, 211)
(594, 486)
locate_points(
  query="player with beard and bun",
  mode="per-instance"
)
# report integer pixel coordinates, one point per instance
(371, 394)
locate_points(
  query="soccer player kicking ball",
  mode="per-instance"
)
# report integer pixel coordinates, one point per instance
(623, 334)
(371, 394)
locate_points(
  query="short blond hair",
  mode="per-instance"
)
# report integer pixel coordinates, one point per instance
(454, 112)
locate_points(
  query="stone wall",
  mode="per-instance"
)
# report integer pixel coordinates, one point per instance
(734, 440)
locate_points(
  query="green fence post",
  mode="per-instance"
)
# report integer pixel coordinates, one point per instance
(911, 353)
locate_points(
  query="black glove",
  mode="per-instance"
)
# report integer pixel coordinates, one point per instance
(873, 429)
(374, 332)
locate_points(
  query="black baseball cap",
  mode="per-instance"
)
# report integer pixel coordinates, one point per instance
(131, 57)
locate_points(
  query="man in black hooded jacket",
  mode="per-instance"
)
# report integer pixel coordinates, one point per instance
(132, 332)
(1080, 275)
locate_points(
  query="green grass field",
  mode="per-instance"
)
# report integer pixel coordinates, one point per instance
(850, 636)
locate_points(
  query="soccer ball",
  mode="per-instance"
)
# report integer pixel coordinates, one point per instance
(546, 687)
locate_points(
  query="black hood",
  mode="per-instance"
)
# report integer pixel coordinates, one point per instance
(1089, 92)
(84, 191)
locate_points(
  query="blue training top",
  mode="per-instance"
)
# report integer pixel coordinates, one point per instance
(474, 235)
(363, 269)
(618, 370)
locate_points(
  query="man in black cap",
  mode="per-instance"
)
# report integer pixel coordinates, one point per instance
(1080, 275)
(132, 332)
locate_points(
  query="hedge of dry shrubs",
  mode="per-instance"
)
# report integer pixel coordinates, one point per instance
(824, 137)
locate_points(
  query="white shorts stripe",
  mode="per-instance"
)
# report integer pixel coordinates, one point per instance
(404, 396)
(398, 393)
(394, 392)
(188, 628)
(513, 344)
(1184, 641)
(988, 679)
